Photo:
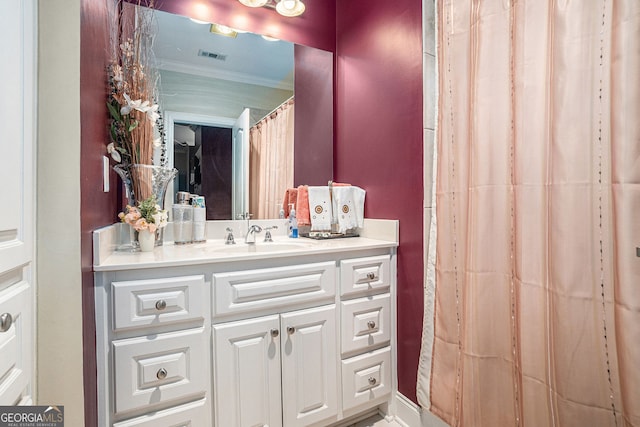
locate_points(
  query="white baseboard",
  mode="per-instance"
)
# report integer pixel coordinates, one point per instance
(411, 415)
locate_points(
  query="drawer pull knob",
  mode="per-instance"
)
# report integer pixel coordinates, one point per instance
(371, 324)
(371, 275)
(161, 305)
(291, 330)
(161, 374)
(275, 333)
(372, 381)
(5, 322)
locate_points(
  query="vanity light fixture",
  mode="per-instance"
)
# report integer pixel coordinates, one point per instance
(223, 30)
(289, 8)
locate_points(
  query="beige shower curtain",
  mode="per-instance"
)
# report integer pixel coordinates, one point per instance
(537, 283)
(271, 160)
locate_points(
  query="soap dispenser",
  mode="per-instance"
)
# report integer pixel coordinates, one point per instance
(293, 223)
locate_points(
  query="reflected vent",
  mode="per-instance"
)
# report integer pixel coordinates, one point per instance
(212, 55)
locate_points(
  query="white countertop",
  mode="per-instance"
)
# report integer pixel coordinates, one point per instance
(379, 234)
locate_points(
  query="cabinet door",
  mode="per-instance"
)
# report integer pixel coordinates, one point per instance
(18, 77)
(247, 373)
(309, 373)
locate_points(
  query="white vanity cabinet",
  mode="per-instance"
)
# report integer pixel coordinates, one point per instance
(277, 370)
(153, 350)
(205, 336)
(365, 308)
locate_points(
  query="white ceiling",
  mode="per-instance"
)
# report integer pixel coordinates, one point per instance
(249, 58)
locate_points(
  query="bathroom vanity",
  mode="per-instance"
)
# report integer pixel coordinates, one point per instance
(296, 332)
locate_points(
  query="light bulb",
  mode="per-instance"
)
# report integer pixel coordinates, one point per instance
(290, 7)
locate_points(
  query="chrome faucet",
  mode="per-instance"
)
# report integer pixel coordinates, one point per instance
(229, 240)
(250, 238)
(267, 233)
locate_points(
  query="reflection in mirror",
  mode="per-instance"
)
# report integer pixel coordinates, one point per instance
(207, 81)
(231, 83)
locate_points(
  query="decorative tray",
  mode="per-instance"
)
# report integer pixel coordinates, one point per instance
(324, 235)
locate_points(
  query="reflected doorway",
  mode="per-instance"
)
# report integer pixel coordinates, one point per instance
(203, 156)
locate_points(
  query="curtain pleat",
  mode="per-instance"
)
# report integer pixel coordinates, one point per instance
(537, 283)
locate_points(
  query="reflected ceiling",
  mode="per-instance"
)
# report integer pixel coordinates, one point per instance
(248, 58)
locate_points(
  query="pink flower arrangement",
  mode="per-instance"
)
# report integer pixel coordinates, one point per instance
(147, 216)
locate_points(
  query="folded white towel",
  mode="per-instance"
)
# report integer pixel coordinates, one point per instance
(320, 208)
(348, 205)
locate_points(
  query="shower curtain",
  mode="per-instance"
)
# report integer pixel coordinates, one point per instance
(536, 314)
(271, 160)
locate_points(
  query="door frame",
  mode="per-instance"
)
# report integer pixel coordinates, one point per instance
(170, 119)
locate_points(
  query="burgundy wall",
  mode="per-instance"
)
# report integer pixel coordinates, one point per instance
(378, 126)
(313, 153)
(315, 28)
(97, 208)
(379, 141)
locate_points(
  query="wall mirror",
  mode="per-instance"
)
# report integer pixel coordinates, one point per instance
(215, 88)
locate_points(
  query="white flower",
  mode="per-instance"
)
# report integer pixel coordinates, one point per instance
(157, 142)
(134, 105)
(152, 114)
(160, 218)
(115, 155)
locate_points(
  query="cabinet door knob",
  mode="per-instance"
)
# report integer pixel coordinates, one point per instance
(372, 381)
(275, 333)
(371, 324)
(5, 322)
(161, 305)
(291, 330)
(161, 374)
(371, 275)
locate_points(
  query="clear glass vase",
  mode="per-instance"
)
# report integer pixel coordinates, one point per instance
(140, 183)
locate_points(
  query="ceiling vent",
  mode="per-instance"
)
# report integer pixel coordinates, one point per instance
(212, 55)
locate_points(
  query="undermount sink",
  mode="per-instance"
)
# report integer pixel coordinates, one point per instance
(260, 247)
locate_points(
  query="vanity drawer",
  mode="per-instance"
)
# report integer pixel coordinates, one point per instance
(366, 323)
(245, 291)
(154, 302)
(160, 368)
(366, 378)
(364, 275)
(191, 414)
(15, 303)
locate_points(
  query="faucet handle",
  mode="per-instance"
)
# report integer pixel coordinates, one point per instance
(267, 233)
(229, 240)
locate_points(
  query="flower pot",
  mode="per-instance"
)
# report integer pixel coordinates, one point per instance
(147, 240)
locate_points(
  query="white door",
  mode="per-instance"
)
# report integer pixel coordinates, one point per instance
(240, 170)
(309, 372)
(247, 373)
(17, 135)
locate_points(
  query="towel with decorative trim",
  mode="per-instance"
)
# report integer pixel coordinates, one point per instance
(348, 205)
(302, 206)
(320, 208)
